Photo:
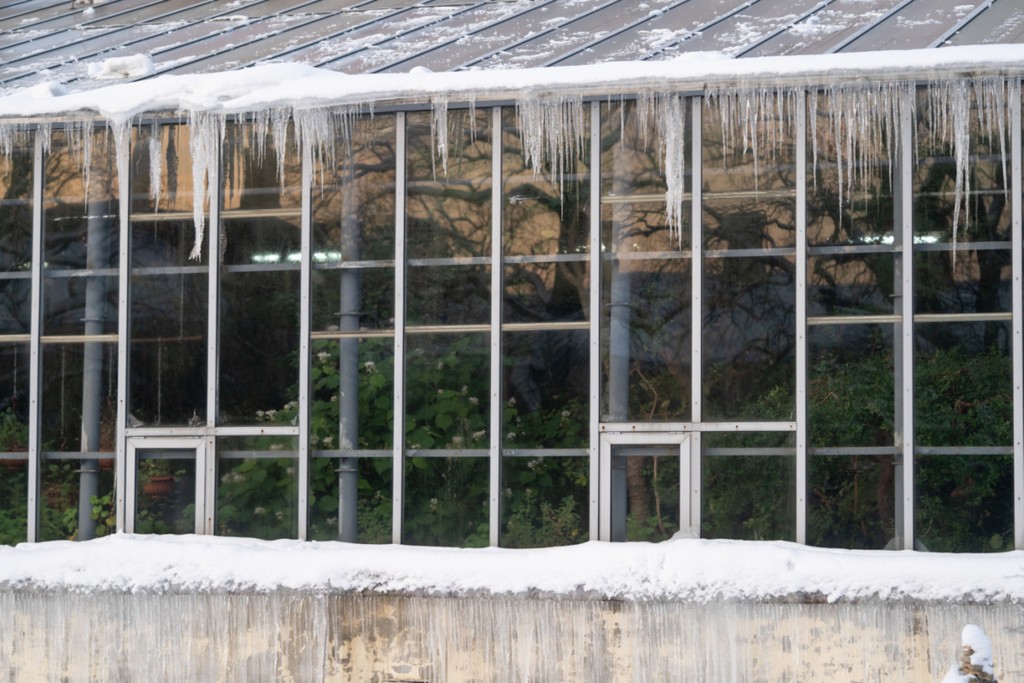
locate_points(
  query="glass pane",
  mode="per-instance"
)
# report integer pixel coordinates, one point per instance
(541, 215)
(546, 292)
(353, 390)
(373, 498)
(257, 176)
(964, 502)
(353, 224)
(446, 502)
(166, 492)
(161, 169)
(963, 384)
(13, 497)
(546, 501)
(447, 391)
(749, 338)
(79, 389)
(257, 487)
(81, 229)
(448, 295)
(984, 203)
(646, 339)
(13, 443)
(851, 501)
(850, 390)
(16, 235)
(448, 204)
(169, 296)
(748, 490)
(546, 389)
(631, 159)
(645, 492)
(66, 513)
(259, 318)
(972, 281)
(850, 199)
(851, 284)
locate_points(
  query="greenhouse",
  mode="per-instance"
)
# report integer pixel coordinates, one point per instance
(467, 293)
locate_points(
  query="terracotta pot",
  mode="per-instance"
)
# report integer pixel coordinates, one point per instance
(159, 486)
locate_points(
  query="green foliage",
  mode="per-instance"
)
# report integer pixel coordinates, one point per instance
(538, 525)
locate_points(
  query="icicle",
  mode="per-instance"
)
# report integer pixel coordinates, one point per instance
(671, 126)
(439, 132)
(280, 120)
(206, 134)
(120, 130)
(552, 132)
(155, 165)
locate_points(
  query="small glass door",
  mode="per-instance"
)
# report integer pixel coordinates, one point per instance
(165, 486)
(646, 487)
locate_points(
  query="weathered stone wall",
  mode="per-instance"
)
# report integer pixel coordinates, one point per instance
(307, 637)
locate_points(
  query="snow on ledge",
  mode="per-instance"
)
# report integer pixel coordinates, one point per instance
(681, 570)
(298, 86)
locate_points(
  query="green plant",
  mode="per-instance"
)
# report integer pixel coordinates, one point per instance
(13, 432)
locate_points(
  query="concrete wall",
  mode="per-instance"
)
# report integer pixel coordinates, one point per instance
(307, 637)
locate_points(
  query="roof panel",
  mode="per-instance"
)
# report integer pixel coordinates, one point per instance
(821, 31)
(1000, 22)
(915, 25)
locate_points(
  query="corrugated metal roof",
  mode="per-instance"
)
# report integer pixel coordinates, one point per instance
(51, 40)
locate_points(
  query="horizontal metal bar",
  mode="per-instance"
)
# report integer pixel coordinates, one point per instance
(16, 275)
(262, 268)
(275, 430)
(447, 453)
(355, 265)
(748, 452)
(545, 452)
(962, 317)
(452, 261)
(757, 195)
(54, 273)
(677, 427)
(888, 318)
(357, 453)
(234, 214)
(169, 270)
(838, 249)
(548, 258)
(854, 450)
(358, 334)
(745, 253)
(257, 455)
(655, 198)
(546, 327)
(447, 329)
(647, 255)
(163, 217)
(963, 450)
(15, 338)
(962, 246)
(78, 338)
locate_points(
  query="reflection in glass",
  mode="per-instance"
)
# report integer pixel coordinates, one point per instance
(749, 338)
(749, 489)
(448, 295)
(373, 499)
(974, 281)
(446, 501)
(646, 339)
(166, 492)
(542, 216)
(545, 389)
(161, 178)
(546, 502)
(448, 204)
(13, 443)
(16, 235)
(257, 487)
(851, 284)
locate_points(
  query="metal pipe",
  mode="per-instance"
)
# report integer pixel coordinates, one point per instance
(97, 256)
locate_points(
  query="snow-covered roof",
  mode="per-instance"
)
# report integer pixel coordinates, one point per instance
(69, 41)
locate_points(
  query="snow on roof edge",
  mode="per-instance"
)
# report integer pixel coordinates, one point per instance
(288, 85)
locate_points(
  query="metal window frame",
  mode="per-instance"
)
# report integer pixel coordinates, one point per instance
(35, 344)
(196, 446)
(595, 471)
(494, 451)
(801, 318)
(1017, 279)
(398, 404)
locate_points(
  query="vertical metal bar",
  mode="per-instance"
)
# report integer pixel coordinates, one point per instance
(206, 482)
(801, 317)
(123, 467)
(398, 434)
(1017, 246)
(906, 180)
(598, 504)
(304, 331)
(35, 351)
(494, 509)
(696, 320)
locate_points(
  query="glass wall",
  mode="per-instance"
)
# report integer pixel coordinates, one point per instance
(734, 315)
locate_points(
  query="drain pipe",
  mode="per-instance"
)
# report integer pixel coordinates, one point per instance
(348, 369)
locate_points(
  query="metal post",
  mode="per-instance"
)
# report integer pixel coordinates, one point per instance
(125, 484)
(696, 313)
(596, 503)
(35, 460)
(398, 404)
(305, 275)
(206, 465)
(904, 304)
(494, 487)
(801, 318)
(1017, 246)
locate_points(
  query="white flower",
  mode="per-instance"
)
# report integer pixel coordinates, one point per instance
(323, 356)
(479, 435)
(474, 401)
(370, 366)
(328, 440)
(260, 511)
(457, 441)
(433, 504)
